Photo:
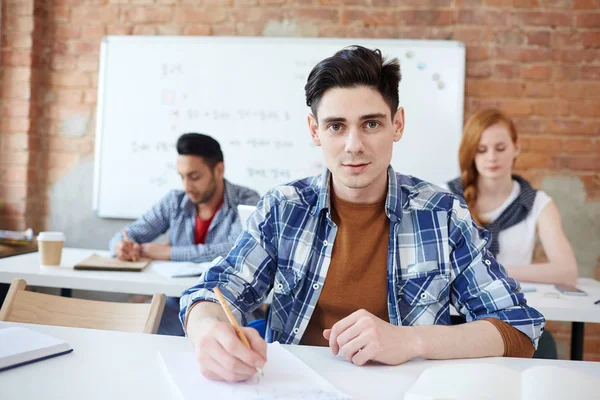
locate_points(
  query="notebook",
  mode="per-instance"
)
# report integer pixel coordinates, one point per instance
(100, 263)
(477, 381)
(284, 377)
(22, 346)
(177, 269)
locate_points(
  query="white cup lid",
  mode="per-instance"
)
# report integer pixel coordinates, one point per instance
(51, 237)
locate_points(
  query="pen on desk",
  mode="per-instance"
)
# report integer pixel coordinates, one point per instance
(233, 321)
(597, 302)
(129, 243)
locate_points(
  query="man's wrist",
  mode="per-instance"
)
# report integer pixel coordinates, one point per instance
(419, 341)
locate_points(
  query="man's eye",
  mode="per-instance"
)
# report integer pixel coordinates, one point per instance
(372, 124)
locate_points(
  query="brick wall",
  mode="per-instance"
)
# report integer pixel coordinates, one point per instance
(539, 60)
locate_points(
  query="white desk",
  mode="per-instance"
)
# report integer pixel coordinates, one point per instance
(118, 365)
(27, 266)
(575, 309)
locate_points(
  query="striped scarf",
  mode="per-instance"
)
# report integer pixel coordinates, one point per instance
(516, 212)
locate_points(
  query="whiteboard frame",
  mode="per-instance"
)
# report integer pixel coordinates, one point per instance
(104, 53)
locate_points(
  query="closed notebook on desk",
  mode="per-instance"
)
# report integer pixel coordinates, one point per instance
(100, 263)
(22, 346)
(477, 381)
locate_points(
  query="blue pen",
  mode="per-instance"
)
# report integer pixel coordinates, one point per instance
(597, 302)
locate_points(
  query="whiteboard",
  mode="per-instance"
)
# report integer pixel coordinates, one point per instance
(248, 93)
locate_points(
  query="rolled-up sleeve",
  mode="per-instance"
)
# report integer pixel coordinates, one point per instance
(481, 287)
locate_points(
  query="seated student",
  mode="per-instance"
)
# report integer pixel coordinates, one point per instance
(361, 259)
(202, 219)
(506, 204)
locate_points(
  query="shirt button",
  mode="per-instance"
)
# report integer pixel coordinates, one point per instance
(316, 286)
(296, 330)
(423, 295)
(279, 286)
(325, 243)
(488, 262)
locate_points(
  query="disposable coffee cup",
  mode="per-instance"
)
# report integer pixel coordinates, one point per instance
(50, 245)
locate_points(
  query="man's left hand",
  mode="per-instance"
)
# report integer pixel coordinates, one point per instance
(362, 337)
(156, 251)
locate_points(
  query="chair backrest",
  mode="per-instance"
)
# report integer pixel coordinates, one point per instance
(244, 212)
(39, 308)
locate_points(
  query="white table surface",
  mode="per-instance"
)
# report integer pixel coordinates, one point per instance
(120, 365)
(566, 308)
(148, 281)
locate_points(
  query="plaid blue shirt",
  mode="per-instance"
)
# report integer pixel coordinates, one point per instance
(177, 213)
(437, 257)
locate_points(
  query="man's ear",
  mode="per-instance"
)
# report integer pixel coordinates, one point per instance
(219, 170)
(313, 128)
(398, 124)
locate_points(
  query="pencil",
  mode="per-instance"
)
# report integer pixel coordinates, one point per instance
(128, 242)
(233, 321)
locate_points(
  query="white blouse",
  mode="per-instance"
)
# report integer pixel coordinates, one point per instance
(517, 242)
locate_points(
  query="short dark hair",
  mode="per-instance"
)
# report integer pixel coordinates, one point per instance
(351, 67)
(197, 144)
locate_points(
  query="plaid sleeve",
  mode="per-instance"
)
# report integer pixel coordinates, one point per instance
(245, 275)
(152, 224)
(481, 287)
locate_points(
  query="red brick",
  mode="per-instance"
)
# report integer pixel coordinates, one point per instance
(88, 62)
(199, 30)
(14, 174)
(119, 29)
(507, 71)
(14, 192)
(315, 14)
(525, 3)
(482, 17)
(185, 15)
(16, 41)
(14, 125)
(20, 8)
(528, 125)
(15, 108)
(477, 53)
(570, 127)
(489, 88)
(575, 55)
(15, 142)
(142, 15)
(95, 15)
(564, 4)
(541, 18)
(479, 70)
(568, 38)
(533, 160)
(522, 54)
(410, 3)
(579, 163)
(517, 108)
(536, 72)
(64, 96)
(18, 24)
(245, 3)
(15, 90)
(225, 29)
(588, 20)
(15, 58)
(473, 34)
(13, 208)
(67, 32)
(14, 158)
(586, 4)
(578, 145)
(591, 39)
(170, 30)
(68, 79)
(61, 62)
(249, 28)
(93, 33)
(144, 30)
(587, 108)
(566, 72)
(551, 108)
(592, 90)
(369, 17)
(591, 183)
(90, 96)
(79, 48)
(538, 38)
(546, 145)
(509, 37)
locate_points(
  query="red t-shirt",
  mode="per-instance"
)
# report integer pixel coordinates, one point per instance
(202, 227)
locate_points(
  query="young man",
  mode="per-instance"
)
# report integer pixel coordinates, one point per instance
(203, 218)
(361, 259)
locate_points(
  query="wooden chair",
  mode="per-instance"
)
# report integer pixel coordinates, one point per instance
(39, 308)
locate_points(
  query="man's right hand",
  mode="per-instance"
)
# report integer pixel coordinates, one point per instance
(127, 251)
(223, 356)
